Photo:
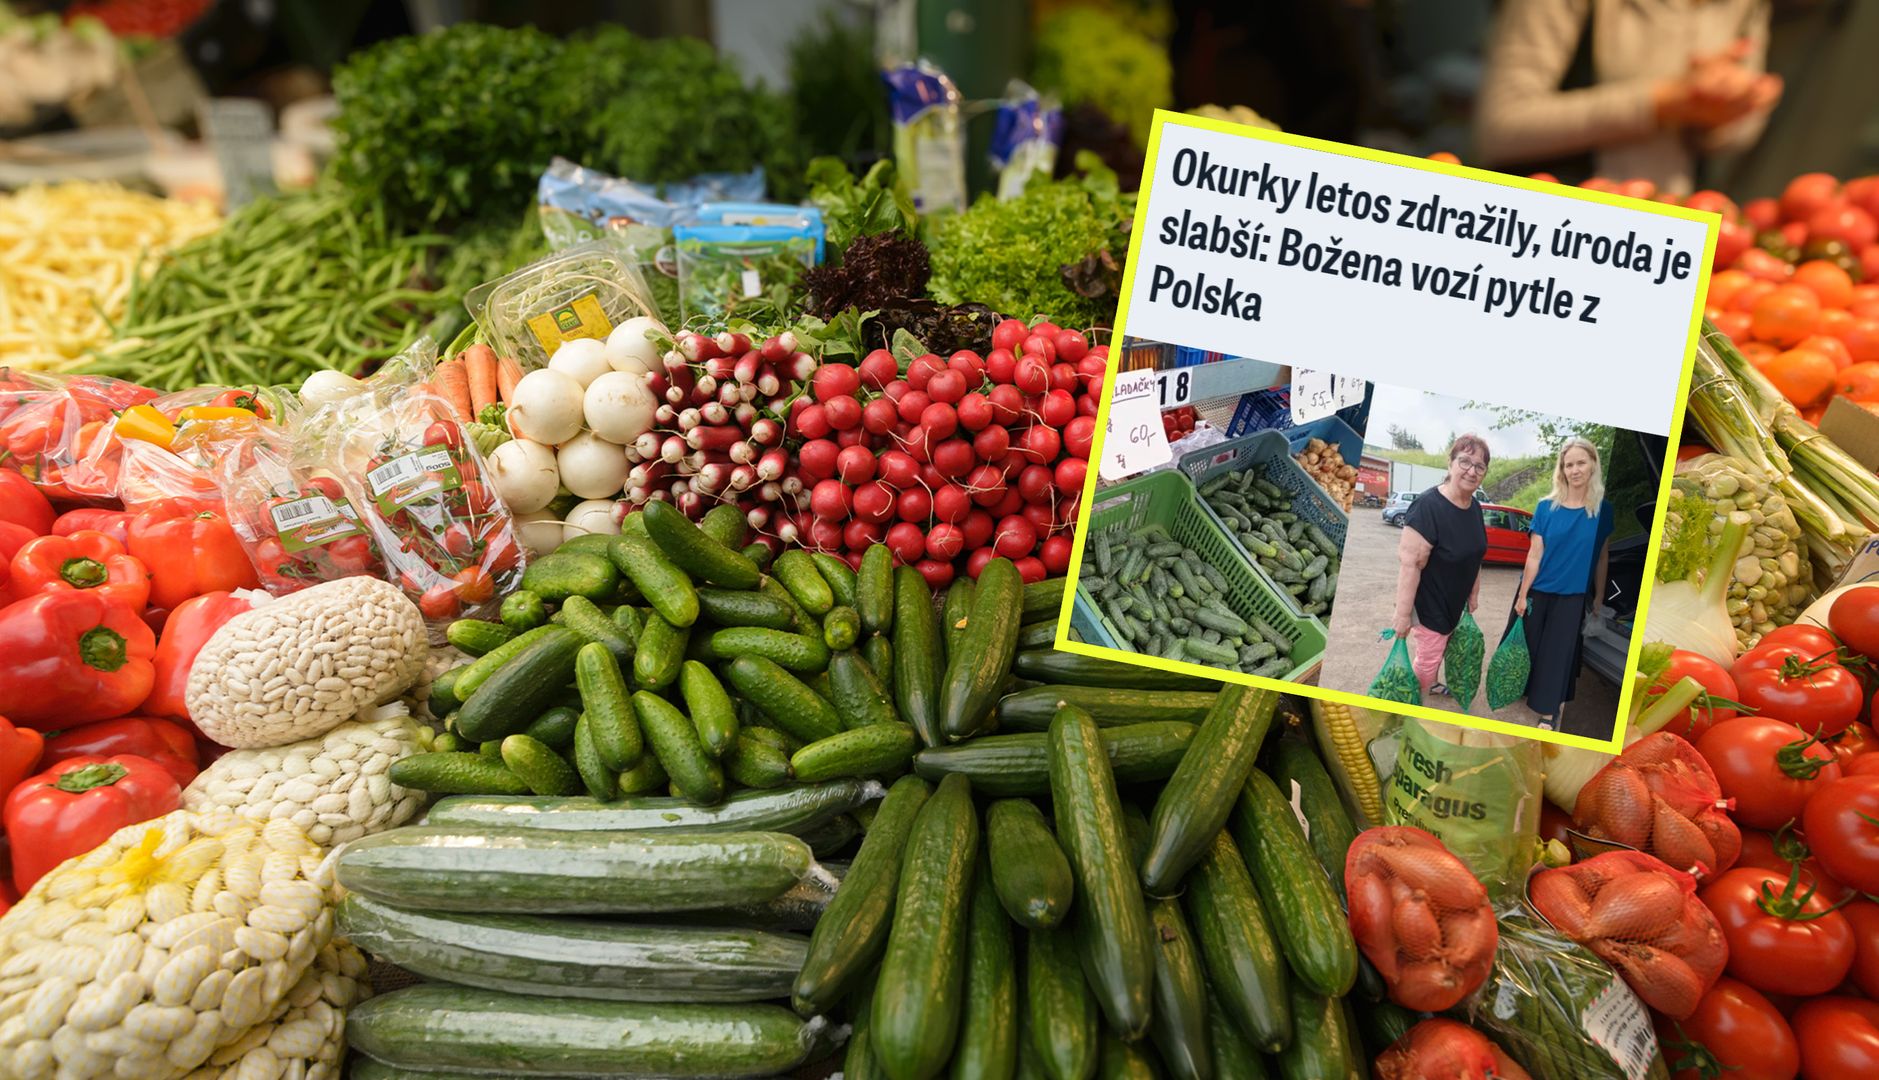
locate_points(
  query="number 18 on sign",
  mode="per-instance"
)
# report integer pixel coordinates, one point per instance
(1134, 440)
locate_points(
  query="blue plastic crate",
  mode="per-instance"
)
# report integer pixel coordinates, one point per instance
(1331, 429)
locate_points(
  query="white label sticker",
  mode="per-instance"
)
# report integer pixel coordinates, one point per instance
(435, 460)
(1314, 395)
(1134, 441)
(312, 510)
(1298, 808)
(1618, 1022)
(752, 284)
(1176, 387)
(394, 472)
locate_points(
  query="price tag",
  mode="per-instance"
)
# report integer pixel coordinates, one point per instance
(1349, 391)
(1134, 440)
(1314, 395)
(1176, 387)
(240, 132)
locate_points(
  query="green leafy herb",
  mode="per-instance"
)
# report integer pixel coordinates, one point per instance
(851, 208)
(1089, 56)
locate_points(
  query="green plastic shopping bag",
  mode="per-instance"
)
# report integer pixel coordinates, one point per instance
(1461, 660)
(1397, 681)
(1507, 672)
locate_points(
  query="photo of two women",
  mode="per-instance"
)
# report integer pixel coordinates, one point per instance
(1498, 578)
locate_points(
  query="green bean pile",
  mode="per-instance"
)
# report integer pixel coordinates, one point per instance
(287, 286)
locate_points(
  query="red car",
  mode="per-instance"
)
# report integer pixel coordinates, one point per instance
(1510, 531)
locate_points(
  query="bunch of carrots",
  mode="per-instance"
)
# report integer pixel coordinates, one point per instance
(475, 379)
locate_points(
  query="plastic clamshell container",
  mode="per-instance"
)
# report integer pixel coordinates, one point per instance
(1168, 499)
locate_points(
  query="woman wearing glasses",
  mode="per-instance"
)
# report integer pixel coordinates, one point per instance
(1564, 576)
(1444, 541)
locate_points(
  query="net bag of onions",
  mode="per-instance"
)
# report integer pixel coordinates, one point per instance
(1420, 917)
(1438, 1049)
(1641, 917)
(1661, 797)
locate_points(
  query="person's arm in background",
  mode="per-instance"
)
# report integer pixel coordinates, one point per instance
(1743, 132)
(1522, 115)
(1598, 575)
(1412, 555)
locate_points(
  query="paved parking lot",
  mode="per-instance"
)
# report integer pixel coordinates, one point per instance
(1366, 597)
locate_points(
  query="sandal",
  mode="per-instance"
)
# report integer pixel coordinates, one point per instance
(1440, 690)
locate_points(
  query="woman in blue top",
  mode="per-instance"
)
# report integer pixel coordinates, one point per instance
(1564, 575)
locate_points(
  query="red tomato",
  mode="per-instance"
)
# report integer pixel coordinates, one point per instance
(1717, 682)
(1841, 823)
(1769, 767)
(1778, 852)
(1864, 765)
(1854, 743)
(1779, 943)
(1813, 693)
(1854, 618)
(1863, 916)
(1810, 640)
(1734, 1032)
(1839, 1038)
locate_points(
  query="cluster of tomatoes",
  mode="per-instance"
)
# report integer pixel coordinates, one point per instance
(1799, 768)
(1179, 422)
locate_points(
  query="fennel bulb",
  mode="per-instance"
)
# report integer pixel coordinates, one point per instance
(1690, 605)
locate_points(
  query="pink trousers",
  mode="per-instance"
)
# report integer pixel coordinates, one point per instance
(1425, 655)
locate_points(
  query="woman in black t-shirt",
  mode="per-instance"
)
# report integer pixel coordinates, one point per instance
(1444, 541)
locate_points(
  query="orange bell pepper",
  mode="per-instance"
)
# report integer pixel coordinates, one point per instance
(189, 550)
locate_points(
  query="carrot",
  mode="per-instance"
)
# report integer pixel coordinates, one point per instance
(508, 373)
(479, 361)
(454, 385)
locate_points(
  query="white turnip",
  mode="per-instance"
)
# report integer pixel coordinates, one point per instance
(584, 359)
(618, 406)
(540, 531)
(628, 348)
(547, 407)
(592, 467)
(525, 474)
(593, 516)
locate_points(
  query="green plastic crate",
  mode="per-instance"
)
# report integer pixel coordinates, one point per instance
(1269, 456)
(1168, 499)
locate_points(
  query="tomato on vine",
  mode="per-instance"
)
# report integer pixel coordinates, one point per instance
(1734, 1032)
(1768, 766)
(1810, 689)
(1782, 938)
(1842, 826)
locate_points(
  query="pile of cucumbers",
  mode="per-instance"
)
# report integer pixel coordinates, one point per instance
(1300, 558)
(734, 814)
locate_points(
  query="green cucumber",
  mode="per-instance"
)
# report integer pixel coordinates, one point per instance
(759, 730)
(712, 712)
(988, 1025)
(858, 1061)
(476, 636)
(796, 652)
(644, 778)
(1044, 599)
(785, 699)
(726, 607)
(853, 931)
(555, 728)
(864, 751)
(660, 653)
(601, 782)
(956, 615)
(794, 810)
(609, 714)
(1321, 1039)
(1179, 1025)
(832, 836)
(752, 763)
(977, 668)
(1244, 966)
(681, 753)
(1110, 917)
(917, 1000)
(585, 618)
(445, 741)
(443, 698)
(1195, 802)
(666, 587)
(560, 574)
(917, 656)
(726, 524)
(574, 958)
(1233, 1055)
(759, 553)
(540, 767)
(455, 772)
(1032, 709)
(874, 590)
(1117, 1060)
(521, 689)
(1060, 1010)
(471, 676)
(630, 620)
(491, 750)
(878, 651)
(841, 628)
(798, 573)
(1051, 666)
(1007, 765)
(1305, 910)
(696, 552)
(1302, 777)
(588, 544)
(857, 693)
(440, 1026)
(1029, 872)
(839, 575)
(1037, 635)
(452, 868)
(805, 622)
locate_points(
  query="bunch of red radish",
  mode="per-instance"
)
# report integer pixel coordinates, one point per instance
(953, 462)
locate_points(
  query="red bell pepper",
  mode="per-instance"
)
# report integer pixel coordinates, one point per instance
(73, 657)
(84, 560)
(20, 750)
(12, 539)
(165, 742)
(189, 551)
(113, 523)
(23, 504)
(190, 627)
(77, 804)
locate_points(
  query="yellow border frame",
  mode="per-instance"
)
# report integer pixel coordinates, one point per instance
(1714, 223)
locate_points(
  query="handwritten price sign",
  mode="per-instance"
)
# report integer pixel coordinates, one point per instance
(1134, 441)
